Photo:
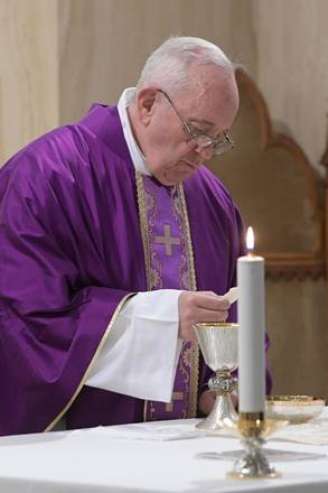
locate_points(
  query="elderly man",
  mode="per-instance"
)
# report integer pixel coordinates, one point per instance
(115, 239)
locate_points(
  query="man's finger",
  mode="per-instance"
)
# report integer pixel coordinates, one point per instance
(211, 302)
(203, 315)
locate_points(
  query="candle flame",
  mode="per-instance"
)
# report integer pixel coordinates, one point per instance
(250, 239)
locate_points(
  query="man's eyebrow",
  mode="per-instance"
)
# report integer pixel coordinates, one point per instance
(202, 122)
(207, 123)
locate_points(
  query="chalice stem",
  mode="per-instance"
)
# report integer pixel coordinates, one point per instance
(223, 413)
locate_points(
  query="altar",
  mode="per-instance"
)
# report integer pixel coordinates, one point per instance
(158, 457)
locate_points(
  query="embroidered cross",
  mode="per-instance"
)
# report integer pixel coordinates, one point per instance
(177, 396)
(167, 240)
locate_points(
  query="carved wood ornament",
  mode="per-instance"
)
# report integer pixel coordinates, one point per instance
(277, 190)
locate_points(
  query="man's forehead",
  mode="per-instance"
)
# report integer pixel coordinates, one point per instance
(210, 91)
(207, 74)
(212, 102)
(208, 111)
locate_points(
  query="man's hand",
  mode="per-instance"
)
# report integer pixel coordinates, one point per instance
(207, 400)
(200, 306)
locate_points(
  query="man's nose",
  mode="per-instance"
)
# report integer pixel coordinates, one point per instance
(206, 153)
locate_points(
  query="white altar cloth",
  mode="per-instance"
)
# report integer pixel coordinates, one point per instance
(151, 457)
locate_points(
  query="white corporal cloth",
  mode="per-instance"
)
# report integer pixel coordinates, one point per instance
(157, 457)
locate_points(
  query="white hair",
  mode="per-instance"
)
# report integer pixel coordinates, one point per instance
(168, 65)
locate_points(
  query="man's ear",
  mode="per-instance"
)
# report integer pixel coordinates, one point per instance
(146, 99)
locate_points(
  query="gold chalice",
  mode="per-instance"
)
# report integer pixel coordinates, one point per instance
(296, 409)
(218, 342)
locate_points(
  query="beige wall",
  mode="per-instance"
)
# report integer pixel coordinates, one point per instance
(29, 102)
(292, 68)
(58, 56)
(297, 319)
(103, 43)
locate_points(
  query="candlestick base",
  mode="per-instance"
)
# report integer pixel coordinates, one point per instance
(252, 428)
(253, 464)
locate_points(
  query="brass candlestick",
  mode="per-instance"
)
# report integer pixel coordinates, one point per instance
(253, 428)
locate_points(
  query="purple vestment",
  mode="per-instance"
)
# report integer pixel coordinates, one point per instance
(71, 250)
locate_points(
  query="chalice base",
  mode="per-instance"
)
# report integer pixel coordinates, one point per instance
(223, 415)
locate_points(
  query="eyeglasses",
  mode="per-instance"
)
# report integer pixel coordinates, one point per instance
(219, 145)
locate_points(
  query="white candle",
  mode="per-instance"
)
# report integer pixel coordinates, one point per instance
(251, 318)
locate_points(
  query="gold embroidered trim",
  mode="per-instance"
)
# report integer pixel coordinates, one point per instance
(86, 374)
(194, 359)
(144, 226)
(145, 241)
(194, 374)
(190, 252)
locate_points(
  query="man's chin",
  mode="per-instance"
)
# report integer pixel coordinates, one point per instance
(169, 182)
(176, 179)
(190, 164)
(176, 174)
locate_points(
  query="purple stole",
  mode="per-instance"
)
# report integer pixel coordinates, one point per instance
(169, 265)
